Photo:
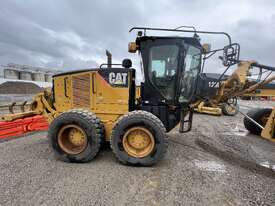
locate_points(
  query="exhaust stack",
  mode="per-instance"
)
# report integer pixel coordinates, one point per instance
(109, 59)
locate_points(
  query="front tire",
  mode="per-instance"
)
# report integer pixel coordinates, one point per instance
(139, 138)
(230, 110)
(76, 136)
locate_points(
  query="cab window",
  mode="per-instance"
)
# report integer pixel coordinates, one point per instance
(163, 65)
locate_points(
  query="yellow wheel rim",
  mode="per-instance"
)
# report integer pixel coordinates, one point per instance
(72, 139)
(138, 142)
(231, 108)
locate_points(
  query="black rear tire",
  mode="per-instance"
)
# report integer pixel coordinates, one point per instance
(144, 120)
(257, 115)
(85, 120)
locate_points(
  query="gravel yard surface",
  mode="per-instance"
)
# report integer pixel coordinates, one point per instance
(217, 163)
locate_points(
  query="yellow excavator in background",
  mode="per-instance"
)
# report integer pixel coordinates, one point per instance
(88, 107)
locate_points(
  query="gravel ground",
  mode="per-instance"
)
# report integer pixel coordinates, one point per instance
(217, 163)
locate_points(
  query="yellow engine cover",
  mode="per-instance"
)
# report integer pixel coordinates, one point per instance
(105, 92)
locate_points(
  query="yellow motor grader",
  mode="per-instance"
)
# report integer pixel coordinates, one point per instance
(215, 89)
(88, 107)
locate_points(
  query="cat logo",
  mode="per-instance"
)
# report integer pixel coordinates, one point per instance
(118, 78)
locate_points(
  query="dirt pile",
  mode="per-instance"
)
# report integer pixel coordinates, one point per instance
(19, 88)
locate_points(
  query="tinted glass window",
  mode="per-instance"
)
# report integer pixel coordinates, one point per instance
(191, 70)
(163, 64)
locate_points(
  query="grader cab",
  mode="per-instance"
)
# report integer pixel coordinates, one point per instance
(89, 107)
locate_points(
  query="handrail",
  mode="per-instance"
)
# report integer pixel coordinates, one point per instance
(182, 30)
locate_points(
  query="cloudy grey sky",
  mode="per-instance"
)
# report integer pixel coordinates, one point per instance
(73, 34)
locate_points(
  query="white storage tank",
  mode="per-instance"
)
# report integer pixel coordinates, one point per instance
(24, 75)
(11, 74)
(39, 77)
(48, 77)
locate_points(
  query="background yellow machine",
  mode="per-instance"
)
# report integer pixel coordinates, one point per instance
(215, 88)
(88, 107)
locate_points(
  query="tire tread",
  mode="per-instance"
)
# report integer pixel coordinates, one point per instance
(148, 116)
(92, 120)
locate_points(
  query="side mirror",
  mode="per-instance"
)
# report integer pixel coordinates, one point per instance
(127, 63)
(206, 48)
(231, 54)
